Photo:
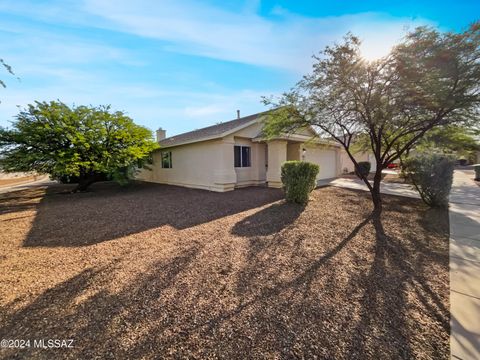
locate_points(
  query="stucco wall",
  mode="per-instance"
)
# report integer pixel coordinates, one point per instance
(346, 163)
(325, 157)
(198, 165)
(256, 173)
(293, 151)
(210, 164)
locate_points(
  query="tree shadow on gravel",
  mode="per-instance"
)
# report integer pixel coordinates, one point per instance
(160, 314)
(109, 212)
(18, 201)
(100, 322)
(387, 322)
(309, 290)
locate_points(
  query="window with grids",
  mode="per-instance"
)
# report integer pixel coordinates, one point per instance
(166, 159)
(242, 156)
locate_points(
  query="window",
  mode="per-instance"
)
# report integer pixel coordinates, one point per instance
(242, 156)
(166, 159)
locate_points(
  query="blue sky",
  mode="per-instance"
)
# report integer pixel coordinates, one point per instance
(187, 64)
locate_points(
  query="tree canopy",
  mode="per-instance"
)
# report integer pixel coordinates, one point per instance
(83, 141)
(458, 140)
(429, 80)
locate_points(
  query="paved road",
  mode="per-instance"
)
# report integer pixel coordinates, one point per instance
(465, 266)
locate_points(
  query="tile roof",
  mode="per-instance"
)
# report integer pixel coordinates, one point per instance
(209, 132)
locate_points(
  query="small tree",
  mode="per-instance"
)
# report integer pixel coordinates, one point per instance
(429, 80)
(82, 142)
(299, 179)
(432, 176)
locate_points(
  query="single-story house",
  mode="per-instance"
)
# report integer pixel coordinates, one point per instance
(234, 154)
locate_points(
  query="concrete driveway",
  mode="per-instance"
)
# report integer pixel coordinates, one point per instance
(385, 188)
(464, 214)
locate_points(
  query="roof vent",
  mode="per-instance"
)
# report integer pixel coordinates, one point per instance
(238, 114)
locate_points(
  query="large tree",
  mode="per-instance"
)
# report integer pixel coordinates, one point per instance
(83, 141)
(429, 80)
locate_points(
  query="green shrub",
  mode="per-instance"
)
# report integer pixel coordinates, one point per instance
(363, 168)
(476, 167)
(299, 179)
(432, 176)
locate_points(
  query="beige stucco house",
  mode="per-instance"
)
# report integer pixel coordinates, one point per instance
(234, 154)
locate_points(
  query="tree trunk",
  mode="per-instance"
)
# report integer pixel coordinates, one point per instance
(375, 192)
(84, 182)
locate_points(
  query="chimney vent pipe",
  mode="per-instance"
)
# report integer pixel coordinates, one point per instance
(161, 134)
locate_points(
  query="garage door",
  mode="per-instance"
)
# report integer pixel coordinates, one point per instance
(326, 159)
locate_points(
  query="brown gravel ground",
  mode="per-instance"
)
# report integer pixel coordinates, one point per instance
(155, 271)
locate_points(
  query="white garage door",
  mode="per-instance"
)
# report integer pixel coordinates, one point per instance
(326, 159)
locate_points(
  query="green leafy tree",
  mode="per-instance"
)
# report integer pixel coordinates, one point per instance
(455, 140)
(81, 142)
(429, 80)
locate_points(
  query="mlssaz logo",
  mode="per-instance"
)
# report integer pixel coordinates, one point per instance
(53, 343)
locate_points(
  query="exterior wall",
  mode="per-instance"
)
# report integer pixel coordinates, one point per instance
(256, 174)
(326, 158)
(293, 151)
(346, 163)
(210, 164)
(277, 155)
(205, 165)
(249, 132)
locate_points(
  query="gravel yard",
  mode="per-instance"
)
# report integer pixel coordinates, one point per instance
(160, 271)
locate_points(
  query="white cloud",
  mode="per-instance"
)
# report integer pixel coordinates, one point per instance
(284, 41)
(287, 41)
(68, 64)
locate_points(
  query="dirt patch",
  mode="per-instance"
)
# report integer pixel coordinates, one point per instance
(155, 270)
(17, 180)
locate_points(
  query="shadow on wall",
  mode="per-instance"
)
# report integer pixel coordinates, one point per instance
(108, 212)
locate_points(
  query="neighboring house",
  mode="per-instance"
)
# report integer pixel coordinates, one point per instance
(236, 154)
(347, 164)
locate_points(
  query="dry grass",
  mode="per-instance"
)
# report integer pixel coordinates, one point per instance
(157, 271)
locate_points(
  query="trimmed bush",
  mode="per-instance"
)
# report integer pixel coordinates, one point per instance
(476, 167)
(432, 176)
(363, 168)
(298, 178)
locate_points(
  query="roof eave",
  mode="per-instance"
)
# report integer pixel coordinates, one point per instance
(218, 136)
